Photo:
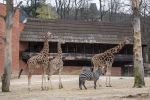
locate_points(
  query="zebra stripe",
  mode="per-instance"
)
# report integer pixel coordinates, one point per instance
(86, 75)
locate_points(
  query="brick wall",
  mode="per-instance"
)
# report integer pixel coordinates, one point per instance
(115, 71)
(69, 70)
(23, 46)
(17, 28)
(2, 32)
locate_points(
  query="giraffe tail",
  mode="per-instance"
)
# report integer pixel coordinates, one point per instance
(21, 71)
(92, 65)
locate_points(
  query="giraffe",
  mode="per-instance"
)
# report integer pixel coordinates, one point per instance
(106, 59)
(39, 61)
(56, 64)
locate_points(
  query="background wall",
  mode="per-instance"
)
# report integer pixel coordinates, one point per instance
(17, 28)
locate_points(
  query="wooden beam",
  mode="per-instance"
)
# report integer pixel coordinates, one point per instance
(78, 56)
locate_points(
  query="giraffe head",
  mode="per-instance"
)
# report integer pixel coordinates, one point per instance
(127, 40)
(50, 35)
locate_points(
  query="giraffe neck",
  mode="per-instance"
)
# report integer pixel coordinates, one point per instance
(59, 49)
(117, 48)
(45, 49)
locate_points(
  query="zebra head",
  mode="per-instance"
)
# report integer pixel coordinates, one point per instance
(101, 70)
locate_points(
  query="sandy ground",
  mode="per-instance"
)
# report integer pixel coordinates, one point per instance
(121, 89)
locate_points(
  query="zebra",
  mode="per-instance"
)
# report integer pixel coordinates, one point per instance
(90, 76)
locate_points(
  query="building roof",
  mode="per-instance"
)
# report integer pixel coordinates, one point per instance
(76, 31)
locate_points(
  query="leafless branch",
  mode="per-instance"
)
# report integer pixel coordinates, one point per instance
(2, 38)
(141, 3)
(17, 8)
(2, 16)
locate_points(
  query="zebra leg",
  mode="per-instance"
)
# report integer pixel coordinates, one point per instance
(80, 84)
(83, 83)
(95, 84)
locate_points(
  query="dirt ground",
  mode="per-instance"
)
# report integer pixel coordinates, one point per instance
(121, 89)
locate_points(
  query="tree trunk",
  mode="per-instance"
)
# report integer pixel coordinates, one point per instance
(8, 57)
(100, 2)
(137, 49)
(10, 11)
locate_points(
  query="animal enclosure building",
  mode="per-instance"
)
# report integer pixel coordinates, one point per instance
(83, 40)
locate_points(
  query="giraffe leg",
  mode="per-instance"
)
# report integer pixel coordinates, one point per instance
(49, 81)
(60, 84)
(95, 68)
(42, 79)
(29, 82)
(99, 82)
(109, 82)
(31, 70)
(110, 74)
(107, 73)
(106, 79)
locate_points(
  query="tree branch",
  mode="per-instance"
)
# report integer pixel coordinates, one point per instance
(140, 3)
(17, 8)
(2, 38)
(2, 16)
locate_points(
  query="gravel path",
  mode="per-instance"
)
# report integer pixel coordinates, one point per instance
(121, 90)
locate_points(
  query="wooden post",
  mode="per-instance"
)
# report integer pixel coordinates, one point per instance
(137, 48)
(84, 48)
(76, 48)
(93, 48)
(126, 50)
(67, 48)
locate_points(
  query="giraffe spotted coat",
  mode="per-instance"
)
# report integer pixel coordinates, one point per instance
(56, 64)
(39, 61)
(106, 58)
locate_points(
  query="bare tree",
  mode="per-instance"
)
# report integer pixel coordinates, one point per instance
(78, 4)
(10, 12)
(63, 8)
(137, 49)
(102, 11)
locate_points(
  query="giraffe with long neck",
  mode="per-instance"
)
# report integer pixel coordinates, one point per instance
(39, 61)
(45, 49)
(106, 59)
(56, 64)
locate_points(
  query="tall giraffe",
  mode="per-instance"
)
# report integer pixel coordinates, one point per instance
(56, 64)
(39, 61)
(106, 58)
